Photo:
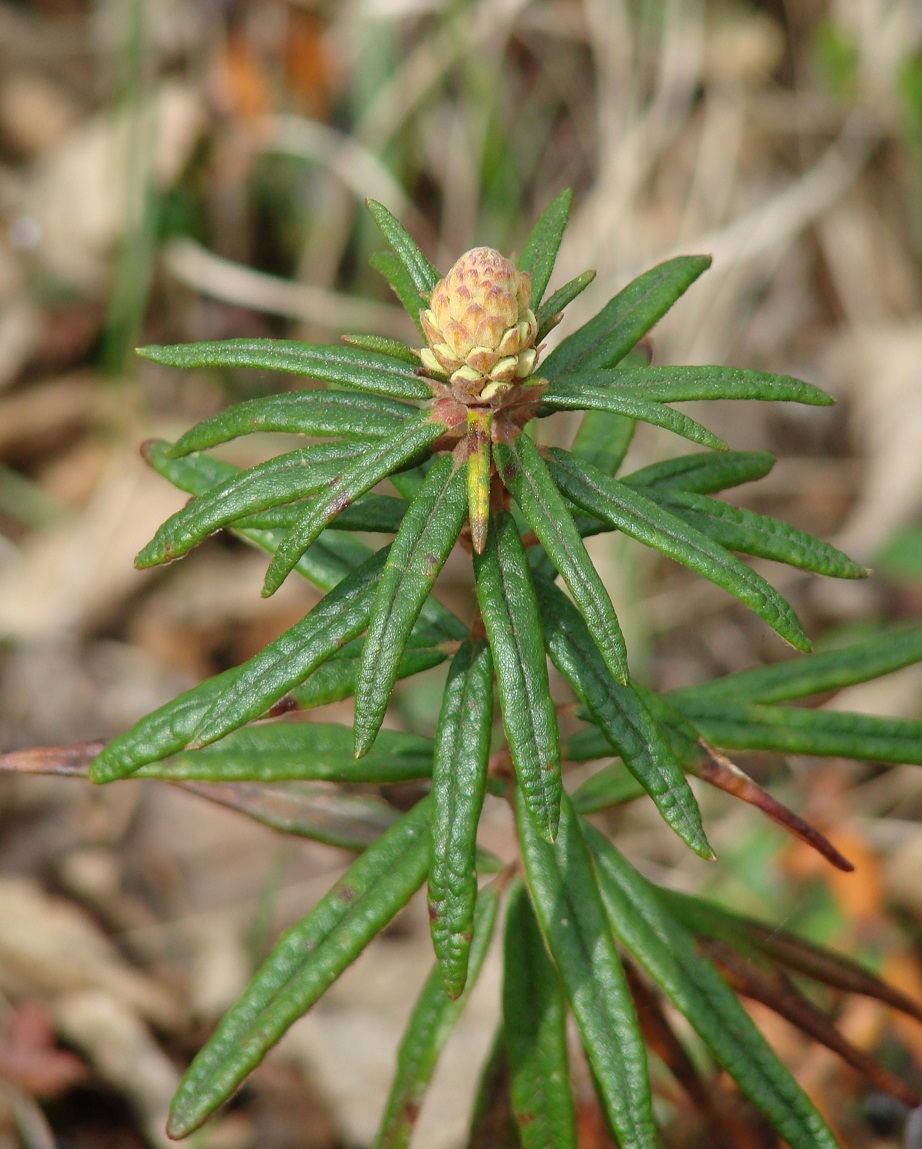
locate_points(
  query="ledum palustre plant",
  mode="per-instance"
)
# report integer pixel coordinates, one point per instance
(450, 424)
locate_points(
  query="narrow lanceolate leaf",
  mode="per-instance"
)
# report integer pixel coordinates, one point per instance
(510, 615)
(306, 752)
(663, 948)
(338, 677)
(288, 660)
(383, 346)
(887, 651)
(304, 809)
(703, 473)
(549, 313)
(765, 537)
(294, 475)
(622, 716)
(603, 439)
(375, 513)
(478, 475)
(325, 564)
(634, 513)
(610, 335)
(534, 1011)
(611, 786)
(376, 464)
(434, 1017)
(684, 384)
(795, 730)
(459, 781)
(540, 251)
(568, 396)
(315, 413)
(426, 536)
(526, 476)
(569, 906)
(171, 727)
(351, 367)
(492, 1123)
(389, 265)
(303, 965)
(420, 270)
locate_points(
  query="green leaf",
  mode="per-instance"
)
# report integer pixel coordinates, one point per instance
(510, 615)
(351, 367)
(569, 907)
(603, 439)
(434, 1017)
(610, 335)
(637, 515)
(424, 541)
(293, 475)
(326, 563)
(703, 473)
(690, 982)
(381, 345)
(889, 650)
(746, 531)
(549, 313)
(459, 781)
(231, 699)
(314, 413)
(304, 964)
(420, 270)
(492, 1123)
(534, 1012)
(540, 251)
(337, 678)
(570, 396)
(401, 282)
(305, 810)
(685, 384)
(527, 478)
(303, 751)
(794, 730)
(611, 786)
(380, 514)
(375, 464)
(289, 659)
(622, 716)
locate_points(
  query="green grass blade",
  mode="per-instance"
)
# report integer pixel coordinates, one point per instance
(434, 1017)
(549, 313)
(637, 515)
(294, 475)
(426, 536)
(303, 965)
(621, 714)
(420, 270)
(540, 252)
(703, 473)
(534, 1012)
(375, 464)
(304, 751)
(750, 533)
(386, 263)
(603, 439)
(459, 781)
(289, 659)
(570, 396)
(569, 907)
(349, 366)
(686, 384)
(796, 730)
(610, 335)
(527, 478)
(888, 651)
(510, 615)
(314, 413)
(690, 982)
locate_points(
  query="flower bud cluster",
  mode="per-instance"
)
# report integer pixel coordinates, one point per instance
(479, 326)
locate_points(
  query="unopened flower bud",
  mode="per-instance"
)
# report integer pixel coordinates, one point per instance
(479, 325)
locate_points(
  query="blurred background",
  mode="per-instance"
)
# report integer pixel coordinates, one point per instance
(195, 169)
